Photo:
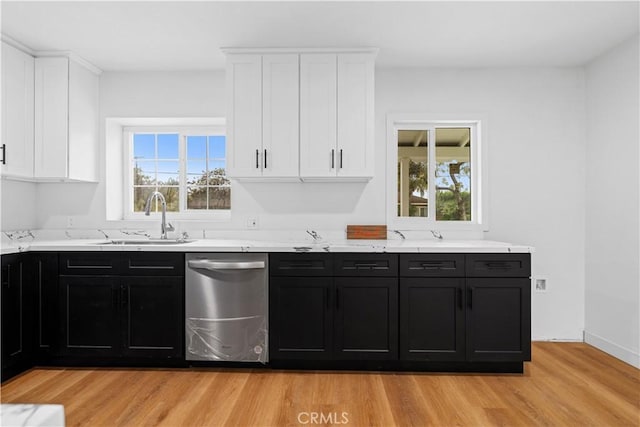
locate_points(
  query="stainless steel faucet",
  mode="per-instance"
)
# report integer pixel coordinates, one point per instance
(436, 234)
(399, 233)
(164, 227)
(316, 236)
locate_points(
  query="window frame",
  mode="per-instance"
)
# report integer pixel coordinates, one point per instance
(479, 179)
(183, 132)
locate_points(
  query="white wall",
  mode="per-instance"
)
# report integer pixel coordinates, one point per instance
(130, 94)
(201, 94)
(612, 320)
(536, 131)
(18, 205)
(536, 167)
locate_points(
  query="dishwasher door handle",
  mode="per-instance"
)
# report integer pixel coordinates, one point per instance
(226, 265)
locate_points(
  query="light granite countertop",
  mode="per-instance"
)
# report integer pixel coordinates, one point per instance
(225, 245)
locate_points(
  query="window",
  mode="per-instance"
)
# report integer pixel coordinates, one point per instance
(186, 165)
(436, 174)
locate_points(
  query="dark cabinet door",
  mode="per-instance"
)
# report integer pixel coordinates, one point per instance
(498, 319)
(45, 281)
(89, 318)
(300, 318)
(366, 318)
(152, 310)
(15, 319)
(432, 326)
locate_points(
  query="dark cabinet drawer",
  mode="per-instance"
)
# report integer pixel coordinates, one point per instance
(498, 265)
(379, 265)
(153, 264)
(432, 265)
(117, 263)
(90, 263)
(300, 264)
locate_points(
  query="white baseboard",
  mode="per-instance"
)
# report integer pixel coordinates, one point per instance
(624, 354)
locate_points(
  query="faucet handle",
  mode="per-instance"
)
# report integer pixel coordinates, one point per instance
(169, 227)
(436, 234)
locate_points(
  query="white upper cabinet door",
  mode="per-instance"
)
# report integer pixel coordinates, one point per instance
(83, 123)
(280, 123)
(244, 115)
(51, 117)
(355, 116)
(318, 155)
(17, 112)
(66, 121)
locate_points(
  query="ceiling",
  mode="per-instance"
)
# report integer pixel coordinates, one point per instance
(171, 35)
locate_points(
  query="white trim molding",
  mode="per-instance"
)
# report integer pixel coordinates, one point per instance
(276, 50)
(615, 350)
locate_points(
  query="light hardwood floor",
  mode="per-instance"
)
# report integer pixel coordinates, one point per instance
(569, 384)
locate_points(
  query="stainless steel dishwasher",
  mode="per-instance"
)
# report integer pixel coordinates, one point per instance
(226, 307)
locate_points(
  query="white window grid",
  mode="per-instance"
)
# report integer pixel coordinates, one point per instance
(478, 175)
(183, 134)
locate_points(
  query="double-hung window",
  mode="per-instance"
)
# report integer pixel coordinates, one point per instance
(436, 174)
(186, 165)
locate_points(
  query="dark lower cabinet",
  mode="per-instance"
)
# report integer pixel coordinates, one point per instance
(322, 317)
(498, 319)
(110, 316)
(152, 316)
(17, 327)
(432, 319)
(471, 318)
(29, 310)
(90, 318)
(301, 318)
(135, 313)
(366, 318)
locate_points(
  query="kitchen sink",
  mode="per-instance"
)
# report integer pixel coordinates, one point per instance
(146, 242)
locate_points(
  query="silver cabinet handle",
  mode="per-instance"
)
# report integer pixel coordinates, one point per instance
(225, 265)
(333, 158)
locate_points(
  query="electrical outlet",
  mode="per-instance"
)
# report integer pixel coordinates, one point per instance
(69, 222)
(252, 223)
(540, 284)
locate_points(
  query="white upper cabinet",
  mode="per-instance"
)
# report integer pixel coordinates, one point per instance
(336, 116)
(300, 114)
(280, 95)
(66, 120)
(244, 116)
(262, 120)
(318, 115)
(17, 113)
(355, 143)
